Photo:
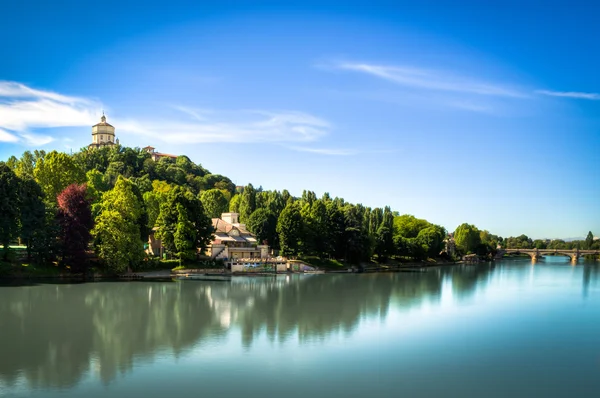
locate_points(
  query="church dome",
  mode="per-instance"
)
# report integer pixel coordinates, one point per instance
(103, 133)
(103, 122)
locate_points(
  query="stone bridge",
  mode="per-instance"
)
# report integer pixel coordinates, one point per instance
(535, 254)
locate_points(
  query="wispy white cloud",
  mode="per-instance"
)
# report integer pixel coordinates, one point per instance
(198, 114)
(246, 126)
(325, 151)
(472, 106)
(571, 94)
(339, 151)
(24, 109)
(19, 90)
(5, 136)
(36, 139)
(435, 80)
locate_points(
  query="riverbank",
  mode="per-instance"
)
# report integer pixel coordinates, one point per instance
(54, 273)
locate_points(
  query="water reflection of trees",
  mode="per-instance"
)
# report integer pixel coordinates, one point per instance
(591, 272)
(466, 278)
(54, 334)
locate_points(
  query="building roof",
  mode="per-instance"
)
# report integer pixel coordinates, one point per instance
(103, 122)
(222, 226)
(160, 154)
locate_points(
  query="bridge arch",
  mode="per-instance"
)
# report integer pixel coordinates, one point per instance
(536, 254)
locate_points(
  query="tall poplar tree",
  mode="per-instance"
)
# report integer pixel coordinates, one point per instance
(589, 240)
(289, 228)
(32, 213)
(247, 203)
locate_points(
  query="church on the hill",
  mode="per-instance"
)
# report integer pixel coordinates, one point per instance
(103, 134)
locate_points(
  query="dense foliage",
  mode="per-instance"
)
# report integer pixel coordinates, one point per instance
(182, 224)
(63, 208)
(121, 226)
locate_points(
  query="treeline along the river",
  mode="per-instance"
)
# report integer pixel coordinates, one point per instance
(61, 207)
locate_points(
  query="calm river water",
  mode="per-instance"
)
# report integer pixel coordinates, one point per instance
(509, 329)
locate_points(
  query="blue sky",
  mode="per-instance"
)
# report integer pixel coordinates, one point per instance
(451, 111)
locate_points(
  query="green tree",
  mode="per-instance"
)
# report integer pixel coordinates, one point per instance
(317, 223)
(119, 232)
(96, 184)
(143, 183)
(93, 158)
(44, 244)
(55, 172)
(32, 213)
(234, 204)
(408, 226)
(9, 206)
(182, 224)
(263, 224)
(467, 238)
(214, 202)
(118, 241)
(26, 165)
(334, 230)
(152, 202)
(520, 242)
(539, 244)
(247, 202)
(356, 239)
(289, 229)
(384, 242)
(589, 240)
(154, 198)
(556, 244)
(432, 238)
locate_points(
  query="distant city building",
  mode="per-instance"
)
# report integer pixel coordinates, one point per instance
(103, 134)
(157, 155)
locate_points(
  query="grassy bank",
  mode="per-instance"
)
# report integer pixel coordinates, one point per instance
(338, 265)
(324, 264)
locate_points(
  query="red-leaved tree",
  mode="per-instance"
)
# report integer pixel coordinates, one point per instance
(75, 220)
